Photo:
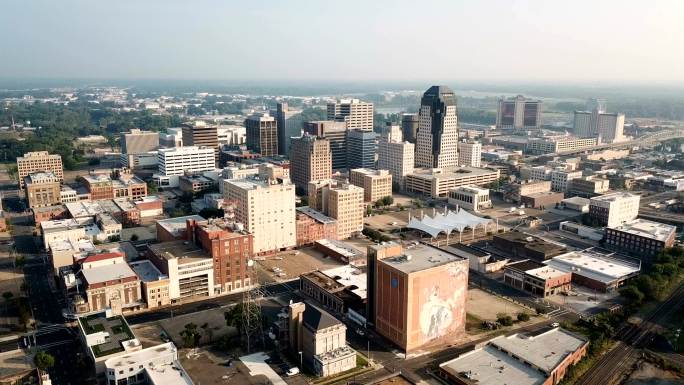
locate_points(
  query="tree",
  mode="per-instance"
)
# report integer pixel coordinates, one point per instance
(210, 212)
(134, 237)
(191, 335)
(504, 319)
(388, 200)
(43, 360)
(151, 188)
(522, 317)
(633, 294)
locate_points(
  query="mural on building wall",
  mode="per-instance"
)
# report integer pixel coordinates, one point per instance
(443, 309)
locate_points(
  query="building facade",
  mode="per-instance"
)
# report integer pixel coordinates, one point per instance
(201, 134)
(289, 123)
(376, 184)
(641, 237)
(398, 158)
(356, 114)
(341, 201)
(409, 127)
(519, 113)
(313, 225)
(310, 160)
(437, 182)
(469, 154)
(470, 197)
(137, 141)
(336, 134)
(614, 209)
(437, 137)
(39, 161)
(42, 189)
(361, 148)
(262, 134)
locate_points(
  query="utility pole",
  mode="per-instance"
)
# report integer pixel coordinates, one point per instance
(251, 311)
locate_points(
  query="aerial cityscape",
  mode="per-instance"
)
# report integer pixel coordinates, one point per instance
(308, 193)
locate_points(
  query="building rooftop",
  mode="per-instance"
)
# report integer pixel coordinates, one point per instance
(106, 273)
(648, 229)
(316, 215)
(124, 204)
(531, 242)
(185, 251)
(591, 263)
(116, 329)
(97, 178)
(59, 225)
(82, 209)
(41, 177)
(317, 318)
(350, 277)
(450, 172)
(176, 226)
(48, 209)
(471, 189)
(370, 171)
(420, 257)
(545, 350)
(579, 201)
(146, 271)
(341, 248)
(546, 272)
(107, 219)
(613, 197)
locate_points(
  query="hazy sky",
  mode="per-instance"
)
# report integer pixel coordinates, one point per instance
(507, 40)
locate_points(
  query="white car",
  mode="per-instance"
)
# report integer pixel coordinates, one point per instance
(555, 324)
(292, 372)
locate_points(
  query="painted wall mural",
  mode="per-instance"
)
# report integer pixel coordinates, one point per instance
(442, 309)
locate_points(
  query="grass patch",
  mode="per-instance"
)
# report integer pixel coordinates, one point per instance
(473, 324)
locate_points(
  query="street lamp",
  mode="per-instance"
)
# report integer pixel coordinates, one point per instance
(301, 362)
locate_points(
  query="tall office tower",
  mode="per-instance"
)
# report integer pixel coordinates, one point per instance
(201, 134)
(361, 149)
(519, 113)
(437, 137)
(409, 126)
(266, 206)
(137, 141)
(342, 201)
(397, 157)
(179, 160)
(336, 133)
(392, 133)
(262, 134)
(469, 154)
(310, 160)
(354, 112)
(597, 123)
(289, 123)
(37, 162)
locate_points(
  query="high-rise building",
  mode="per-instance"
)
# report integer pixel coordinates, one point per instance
(201, 134)
(262, 134)
(361, 148)
(354, 112)
(342, 201)
(266, 207)
(310, 160)
(416, 296)
(289, 123)
(614, 209)
(137, 141)
(376, 184)
(469, 154)
(391, 133)
(519, 113)
(172, 138)
(397, 157)
(608, 127)
(36, 162)
(409, 126)
(437, 137)
(336, 134)
(174, 162)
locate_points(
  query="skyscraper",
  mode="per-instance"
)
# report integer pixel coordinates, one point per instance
(409, 126)
(361, 148)
(469, 154)
(262, 134)
(310, 160)
(201, 134)
(397, 157)
(437, 137)
(289, 126)
(597, 123)
(354, 112)
(336, 133)
(519, 113)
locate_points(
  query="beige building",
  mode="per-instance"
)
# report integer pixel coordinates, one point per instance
(529, 187)
(42, 189)
(397, 157)
(36, 162)
(155, 285)
(588, 186)
(556, 145)
(436, 182)
(355, 113)
(470, 197)
(321, 339)
(137, 141)
(469, 154)
(310, 160)
(376, 184)
(614, 209)
(341, 201)
(266, 207)
(560, 179)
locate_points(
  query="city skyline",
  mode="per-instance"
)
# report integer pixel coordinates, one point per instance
(464, 41)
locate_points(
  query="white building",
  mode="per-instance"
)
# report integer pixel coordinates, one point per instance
(470, 197)
(437, 147)
(356, 114)
(469, 154)
(189, 268)
(231, 135)
(560, 179)
(397, 157)
(614, 209)
(156, 365)
(174, 162)
(172, 138)
(266, 206)
(599, 124)
(535, 173)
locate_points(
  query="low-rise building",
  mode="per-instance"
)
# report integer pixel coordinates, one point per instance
(173, 229)
(189, 268)
(558, 145)
(527, 187)
(338, 290)
(588, 186)
(525, 246)
(341, 251)
(376, 184)
(313, 225)
(614, 209)
(576, 203)
(106, 336)
(48, 213)
(520, 359)
(536, 278)
(155, 365)
(542, 200)
(155, 285)
(596, 269)
(560, 179)
(42, 189)
(641, 237)
(593, 233)
(109, 283)
(195, 183)
(341, 201)
(470, 197)
(437, 182)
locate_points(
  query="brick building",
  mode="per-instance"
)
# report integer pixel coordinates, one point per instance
(313, 225)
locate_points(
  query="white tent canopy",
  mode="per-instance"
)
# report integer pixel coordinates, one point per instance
(447, 222)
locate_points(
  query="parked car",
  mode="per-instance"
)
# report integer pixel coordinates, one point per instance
(292, 372)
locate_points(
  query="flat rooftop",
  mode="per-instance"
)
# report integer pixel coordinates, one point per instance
(546, 272)
(350, 276)
(341, 248)
(316, 215)
(175, 226)
(647, 229)
(546, 350)
(185, 251)
(579, 201)
(613, 197)
(450, 172)
(592, 264)
(106, 273)
(59, 224)
(490, 366)
(146, 271)
(116, 327)
(166, 368)
(420, 257)
(84, 209)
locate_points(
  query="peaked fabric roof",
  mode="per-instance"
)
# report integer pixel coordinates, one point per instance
(447, 222)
